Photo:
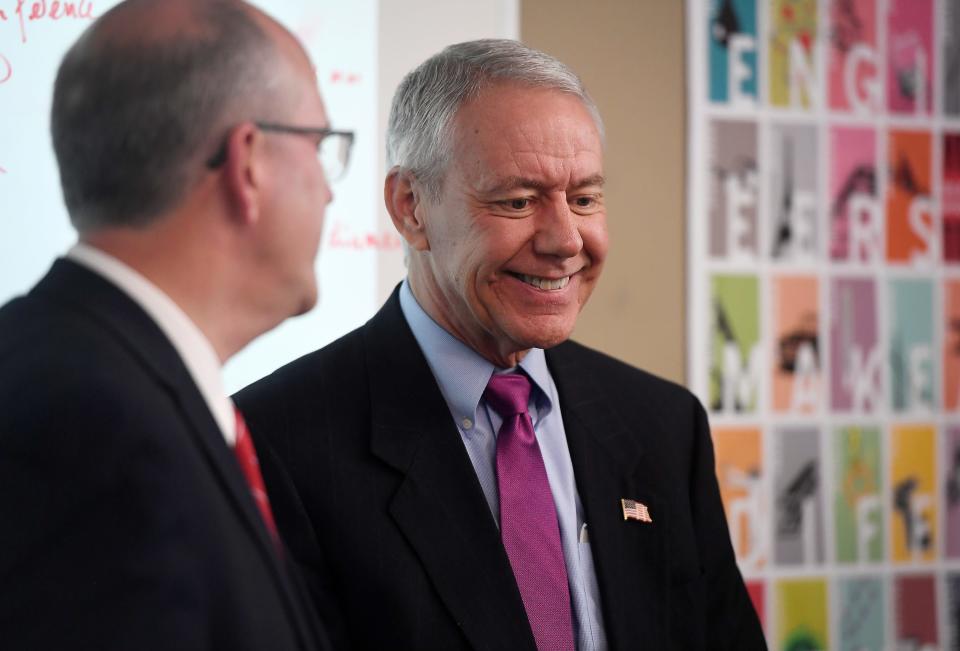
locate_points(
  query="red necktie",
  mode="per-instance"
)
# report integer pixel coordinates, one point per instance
(247, 457)
(528, 517)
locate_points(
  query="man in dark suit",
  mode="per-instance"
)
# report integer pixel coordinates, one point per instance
(455, 474)
(132, 514)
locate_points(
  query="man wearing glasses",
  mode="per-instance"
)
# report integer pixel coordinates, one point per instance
(132, 509)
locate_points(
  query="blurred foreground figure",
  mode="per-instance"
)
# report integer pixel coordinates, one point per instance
(456, 474)
(132, 514)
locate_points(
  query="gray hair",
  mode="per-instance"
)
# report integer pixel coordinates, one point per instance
(134, 112)
(420, 130)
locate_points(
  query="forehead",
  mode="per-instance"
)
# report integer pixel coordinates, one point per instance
(306, 105)
(517, 131)
(299, 71)
(310, 101)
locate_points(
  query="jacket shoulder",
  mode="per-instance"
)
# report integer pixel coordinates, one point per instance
(339, 362)
(47, 346)
(618, 376)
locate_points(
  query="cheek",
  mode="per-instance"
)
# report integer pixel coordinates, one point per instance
(472, 254)
(596, 241)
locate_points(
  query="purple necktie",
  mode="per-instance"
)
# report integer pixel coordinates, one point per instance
(528, 517)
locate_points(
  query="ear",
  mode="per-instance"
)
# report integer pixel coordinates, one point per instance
(243, 172)
(406, 205)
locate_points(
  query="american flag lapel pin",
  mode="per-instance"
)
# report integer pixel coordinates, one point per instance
(633, 510)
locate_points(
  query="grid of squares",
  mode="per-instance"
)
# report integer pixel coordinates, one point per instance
(824, 308)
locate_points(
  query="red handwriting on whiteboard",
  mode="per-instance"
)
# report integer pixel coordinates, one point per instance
(342, 238)
(6, 70)
(341, 77)
(54, 10)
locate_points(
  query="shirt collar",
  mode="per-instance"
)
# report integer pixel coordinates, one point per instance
(194, 348)
(534, 364)
(460, 371)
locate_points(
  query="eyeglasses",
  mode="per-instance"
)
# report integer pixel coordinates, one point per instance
(333, 147)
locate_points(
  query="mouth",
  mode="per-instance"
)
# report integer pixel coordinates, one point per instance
(549, 284)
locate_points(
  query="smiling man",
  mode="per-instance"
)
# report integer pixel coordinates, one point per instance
(456, 474)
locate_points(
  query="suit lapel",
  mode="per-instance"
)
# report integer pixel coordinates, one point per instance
(225, 466)
(439, 505)
(629, 556)
(86, 291)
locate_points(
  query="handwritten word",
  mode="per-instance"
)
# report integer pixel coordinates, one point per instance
(342, 238)
(54, 11)
(6, 70)
(2, 171)
(341, 77)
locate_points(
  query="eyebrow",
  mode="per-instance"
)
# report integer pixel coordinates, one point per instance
(513, 182)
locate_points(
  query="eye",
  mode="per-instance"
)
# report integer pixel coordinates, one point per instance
(586, 203)
(516, 205)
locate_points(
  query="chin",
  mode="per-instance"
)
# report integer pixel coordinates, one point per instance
(307, 303)
(546, 336)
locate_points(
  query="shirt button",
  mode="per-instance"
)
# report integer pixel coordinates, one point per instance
(467, 423)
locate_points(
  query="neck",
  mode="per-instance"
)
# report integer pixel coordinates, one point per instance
(430, 298)
(196, 278)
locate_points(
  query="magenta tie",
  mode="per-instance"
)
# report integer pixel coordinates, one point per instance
(528, 517)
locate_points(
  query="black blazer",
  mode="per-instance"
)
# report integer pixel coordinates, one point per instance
(125, 522)
(380, 504)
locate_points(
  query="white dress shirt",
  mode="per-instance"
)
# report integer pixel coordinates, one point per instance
(462, 376)
(194, 348)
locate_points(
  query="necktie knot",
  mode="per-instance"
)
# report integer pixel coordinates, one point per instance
(508, 394)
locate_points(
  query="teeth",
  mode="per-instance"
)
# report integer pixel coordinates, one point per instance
(545, 283)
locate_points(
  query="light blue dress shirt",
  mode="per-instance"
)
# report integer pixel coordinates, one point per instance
(462, 375)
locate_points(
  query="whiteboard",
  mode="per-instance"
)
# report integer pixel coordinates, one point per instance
(360, 50)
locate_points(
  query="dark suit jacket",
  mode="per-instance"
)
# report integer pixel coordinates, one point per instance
(125, 522)
(380, 504)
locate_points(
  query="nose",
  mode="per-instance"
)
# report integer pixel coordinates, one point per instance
(558, 232)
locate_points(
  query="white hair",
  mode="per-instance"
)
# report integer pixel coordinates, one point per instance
(420, 130)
